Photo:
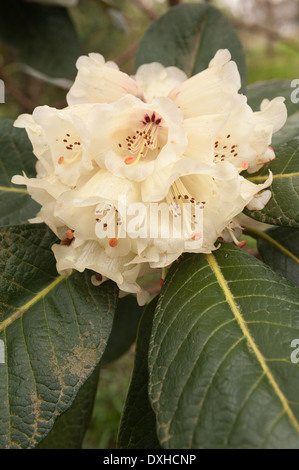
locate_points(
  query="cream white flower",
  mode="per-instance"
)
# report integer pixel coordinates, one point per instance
(159, 138)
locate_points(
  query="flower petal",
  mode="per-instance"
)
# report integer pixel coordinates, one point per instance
(157, 80)
(211, 91)
(100, 82)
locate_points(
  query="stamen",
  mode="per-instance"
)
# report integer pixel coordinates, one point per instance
(224, 149)
(140, 154)
(163, 275)
(143, 140)
(177, 199)
(244, 165)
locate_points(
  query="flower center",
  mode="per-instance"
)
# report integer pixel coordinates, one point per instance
(143, 140)
(184, 206)
(224, 150)
(71, 150)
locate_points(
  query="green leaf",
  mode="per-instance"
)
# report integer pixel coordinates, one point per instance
(16, 206)
(270, 90)
(283, 208)
(69, 429)
(42, 36)
(279, 249)
(54, 329)
(124, 329)
(138, 423)
(188, 36)
(221, 374)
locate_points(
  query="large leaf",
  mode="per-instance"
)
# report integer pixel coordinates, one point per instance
(188, 36)
(221, 375)
(124, 329)
(279, 249)
(43, 37)
(69, 429)
(54, 328)
(270, 90)
(138, 423)
(16, 206)
(283, 208)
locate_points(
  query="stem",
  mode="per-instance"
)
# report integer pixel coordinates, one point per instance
(127, 55)
(152, 14)
(260, 234)
(172, 3)
(25, 103)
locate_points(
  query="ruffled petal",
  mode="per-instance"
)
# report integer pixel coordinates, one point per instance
(156, 80)
(209, 92)
(100, 82)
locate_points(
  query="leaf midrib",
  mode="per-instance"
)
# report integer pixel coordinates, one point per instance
(260, 234)
(11, 189)
(277, 176)
(21, 310)
(230, 300)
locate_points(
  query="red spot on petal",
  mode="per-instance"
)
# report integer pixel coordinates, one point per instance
(69, 234)
(60, 160)
(129, 160)
(113, 242)
(196, 235)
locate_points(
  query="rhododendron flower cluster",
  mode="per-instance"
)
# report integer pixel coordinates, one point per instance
(124, 144)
